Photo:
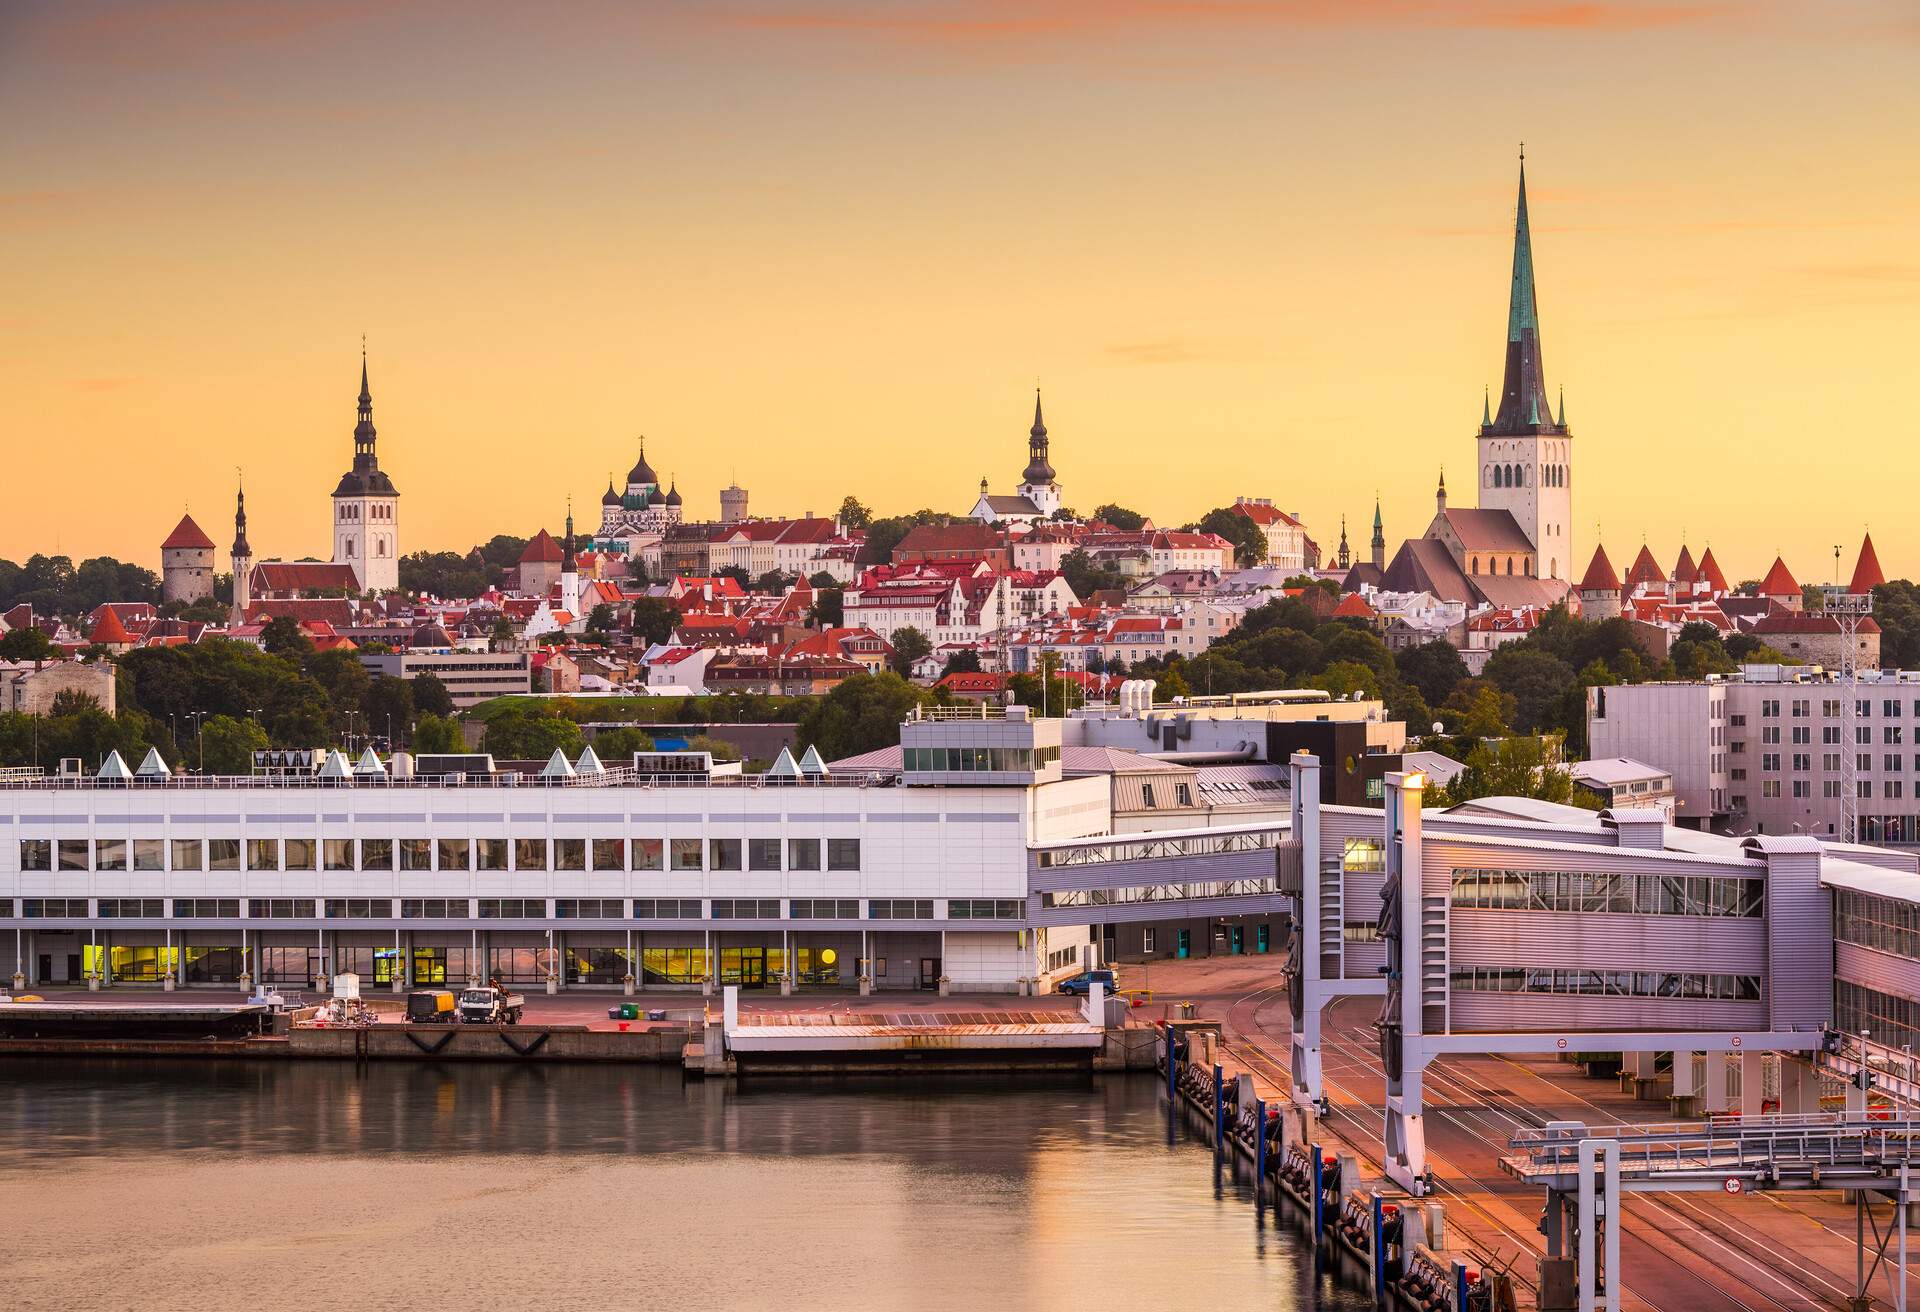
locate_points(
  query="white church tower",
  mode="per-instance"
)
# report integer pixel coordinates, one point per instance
(366, 509)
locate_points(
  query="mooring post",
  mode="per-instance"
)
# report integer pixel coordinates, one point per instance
(1379, 1247)
(1259, 1147)
(1319, 1185)
(1219, 1109)
(1173, 1067)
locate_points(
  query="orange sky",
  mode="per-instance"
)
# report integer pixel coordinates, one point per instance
(827, 246)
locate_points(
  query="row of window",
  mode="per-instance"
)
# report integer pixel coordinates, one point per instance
(1016, 760)
(1884, 924)
(1610, 983)
(1886, 1018)
(508, 908)
(1633, 895)
(601, 854)
(1800, 708)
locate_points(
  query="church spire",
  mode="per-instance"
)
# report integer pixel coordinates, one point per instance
(1377, 549)
(364, 435)
(1524, 386)
(240, 548)
(1039, 471)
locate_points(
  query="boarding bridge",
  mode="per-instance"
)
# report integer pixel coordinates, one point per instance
(1165, 875)
(1587, 1169)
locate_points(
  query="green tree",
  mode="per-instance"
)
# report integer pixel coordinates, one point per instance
(617, 746)
(718, 748)
(430, 695)
(1249, 542)
(388, 709)
(854, 515)
(654, 620)
(1538, 683)
(1896, 606)
(909, 645)
(445, 573)
(883, 535)
(1087, 578)
(438, 734)
(863, 714)
(1516, 767)
(774, 582)
(1435, 668)
(524, 732)
(964, 661)
(27, 644)
(227, 745)
(282, 637)
(1345, 678)
(829, 610)
(1130, 521)
(600, 622)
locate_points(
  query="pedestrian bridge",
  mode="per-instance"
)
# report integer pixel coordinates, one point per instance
(1239, 870)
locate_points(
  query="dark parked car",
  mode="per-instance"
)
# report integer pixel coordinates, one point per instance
(1082, 984)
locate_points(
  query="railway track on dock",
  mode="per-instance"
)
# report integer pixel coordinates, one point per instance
(1733, 1277)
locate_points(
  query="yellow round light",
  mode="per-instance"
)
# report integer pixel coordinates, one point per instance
(828, 956)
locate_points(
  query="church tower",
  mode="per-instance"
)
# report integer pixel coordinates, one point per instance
(1377, 548)
(366, 508)
(242, 559)
(1037, 483)
(1526, 453)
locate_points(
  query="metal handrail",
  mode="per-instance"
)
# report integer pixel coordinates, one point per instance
(614, 777)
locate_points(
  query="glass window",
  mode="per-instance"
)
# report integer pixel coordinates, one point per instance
(647, 854)
(36, 854)
(223, 854)
(723, 854)
(149, 854)
(110, 854)
(338, 853)
(609, 854)
(263, 854)
(686, 854)
(416, 854)
(569, 854)
(803, 854)
(529, 854)
(489, 854)
(763, 854)
(843, 854)
(298, 854)
(455, 853)
(74, 854)
(376, 854)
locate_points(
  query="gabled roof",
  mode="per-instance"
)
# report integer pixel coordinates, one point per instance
(1354, 606)
(1487, 530)
(1645, 569)
(1517, 591)
(1779, 581)
(1710, 573)
(186, 535)
(1866, 573)
(1600, 576)
(303, 576)
(1425, 565)
(541, 549)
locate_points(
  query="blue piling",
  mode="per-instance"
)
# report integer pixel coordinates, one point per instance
(1259, 1148)
(1379, 1247)
(1319, 1185)
(1173, 1067)
(1459, 1283)
(1219, 1110)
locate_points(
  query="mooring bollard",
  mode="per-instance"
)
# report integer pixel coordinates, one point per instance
(1259, 1147)
(1219, 1109)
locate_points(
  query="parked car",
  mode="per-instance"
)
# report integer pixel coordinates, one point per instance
(1082, 984)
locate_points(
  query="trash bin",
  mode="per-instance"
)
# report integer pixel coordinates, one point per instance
(614, 1013)
(1186, 1011)
(656, 1014)
(629, 1011)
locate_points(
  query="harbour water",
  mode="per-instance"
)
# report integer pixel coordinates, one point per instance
(214, 1184)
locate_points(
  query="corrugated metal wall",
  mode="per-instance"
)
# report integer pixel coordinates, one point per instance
(1532, 1011)
(1799, 981)
(1729, 945)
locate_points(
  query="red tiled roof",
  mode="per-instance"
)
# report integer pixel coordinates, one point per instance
(542, 549)
(1779, 581)
(1710, 573)
(304, 576)
(187, 535)
(337, 611)
(108, 631)
(1684, 570)
(1866, 574)
(1645, 569)
(1487, 530)
(1353, 605)
(1600, 576)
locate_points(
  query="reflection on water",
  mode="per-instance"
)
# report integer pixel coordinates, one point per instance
(497, 1185)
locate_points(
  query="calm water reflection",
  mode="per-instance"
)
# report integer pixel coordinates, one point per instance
(206, 1184)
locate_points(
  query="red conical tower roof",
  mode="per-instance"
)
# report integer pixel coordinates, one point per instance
(541, 548)
(1779, 581)
(1866, 574)
(108, 631)
(1684, 570)
(1645, 569)
(187, 534)
(1710, 573)
(1600, 576)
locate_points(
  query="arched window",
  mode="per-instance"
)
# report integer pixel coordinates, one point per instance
(1529, 567)
(1473, 565)
(1509, 565)
(1486, 476)
(349, 548)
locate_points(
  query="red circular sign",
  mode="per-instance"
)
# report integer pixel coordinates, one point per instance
(1732, 1185)
(1561, 1043)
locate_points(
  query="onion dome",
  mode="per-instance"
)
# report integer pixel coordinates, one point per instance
(673, 495)
(642, 472)
(611, 498)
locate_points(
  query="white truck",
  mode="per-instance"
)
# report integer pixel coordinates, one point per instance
(489, 1005)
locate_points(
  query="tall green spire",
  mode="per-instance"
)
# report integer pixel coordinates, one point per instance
(1486, 409)
(1523, 388)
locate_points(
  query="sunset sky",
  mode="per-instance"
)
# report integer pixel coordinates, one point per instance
(828, 246)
